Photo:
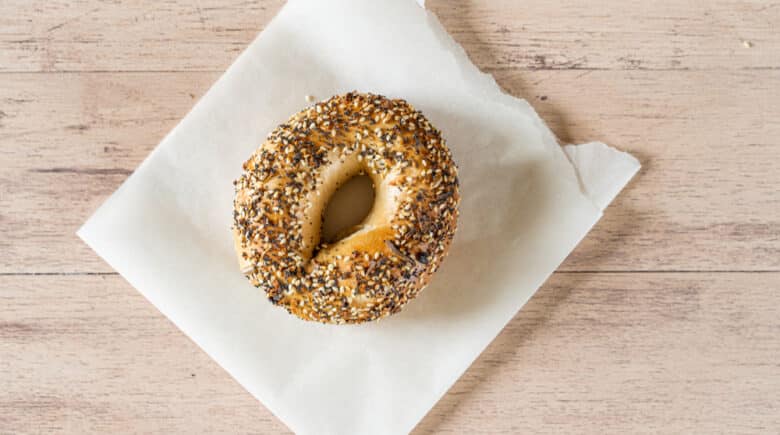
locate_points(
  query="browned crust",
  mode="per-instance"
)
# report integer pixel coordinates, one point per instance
(375, 272)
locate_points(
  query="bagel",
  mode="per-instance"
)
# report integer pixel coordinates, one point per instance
(389, 257)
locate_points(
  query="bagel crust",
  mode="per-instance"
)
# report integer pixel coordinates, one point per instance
(388, 258)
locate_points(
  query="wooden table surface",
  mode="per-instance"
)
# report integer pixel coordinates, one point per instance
(665, 319)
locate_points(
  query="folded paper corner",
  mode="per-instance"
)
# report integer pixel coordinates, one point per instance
(603, 171)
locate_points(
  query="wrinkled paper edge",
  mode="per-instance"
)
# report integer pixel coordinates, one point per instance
(602, 171)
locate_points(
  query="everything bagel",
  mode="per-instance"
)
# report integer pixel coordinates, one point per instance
(389, 257)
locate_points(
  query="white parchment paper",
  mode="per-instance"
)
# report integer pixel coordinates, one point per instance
(525, 204)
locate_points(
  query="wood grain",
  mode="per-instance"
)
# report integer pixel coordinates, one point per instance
(90, 34)
(664, 319)
(628, 353)
(613, 353)
(99, 35)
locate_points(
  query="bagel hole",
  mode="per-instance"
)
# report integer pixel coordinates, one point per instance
(347, 208)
